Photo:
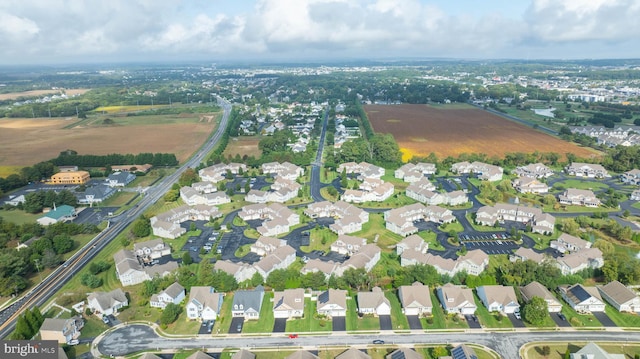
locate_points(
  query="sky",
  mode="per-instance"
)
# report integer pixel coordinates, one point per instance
(107, 31)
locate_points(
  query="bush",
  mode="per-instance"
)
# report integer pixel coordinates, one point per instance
(90, 280)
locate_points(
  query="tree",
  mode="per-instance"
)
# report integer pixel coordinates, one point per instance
(545, 350)
(188, 177)
(62, 243)
(223, 281)
(186, 258)
(90, 280)
(256, 279)
(535, 311)
(141, 227)
(172, 195)
(170, 313)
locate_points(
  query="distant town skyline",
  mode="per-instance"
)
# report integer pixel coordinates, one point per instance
(91, 31)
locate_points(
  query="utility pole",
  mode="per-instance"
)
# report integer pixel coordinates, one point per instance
(38, 268)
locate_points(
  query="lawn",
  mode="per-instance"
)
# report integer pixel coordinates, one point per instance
(398, 319)
(119, 199)
(579, 320)
(636, 205)
(223, 323)
(6, 171)
(183, 325)
(440, 320)
(149, 178)
(491, 320)
(355, 323)
(265, 323)
(320, 239)
(18, 216)
(625, 320)
(324, 192)
(534, 351)
(431, 238)
(580, 184)
(376, 227)
(309, 323)
(448, 227)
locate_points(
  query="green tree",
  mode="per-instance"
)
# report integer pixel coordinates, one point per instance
(186, 258)
(545, 350)
(224, 282)
(256, 279)
(170, 313)
(535, 311)
(188, 177)
(172, 195)
(439, 351)
(141, 227)
(91, 280)
(62, 243)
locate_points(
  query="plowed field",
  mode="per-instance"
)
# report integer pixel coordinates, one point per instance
(421, 129)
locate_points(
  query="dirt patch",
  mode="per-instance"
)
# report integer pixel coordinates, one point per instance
(24, 142)
(421, 129)
(243, 146)
(34, 93)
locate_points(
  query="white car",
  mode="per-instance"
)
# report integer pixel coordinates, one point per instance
(517, 315)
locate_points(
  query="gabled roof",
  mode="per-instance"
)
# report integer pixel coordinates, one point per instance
(249, 299)
(353, 353)
(618, 292)
(199, 355)
(108, 299)
(372, 299)
(404, 353)
(414, 295)
(243, 354)
(301, 354)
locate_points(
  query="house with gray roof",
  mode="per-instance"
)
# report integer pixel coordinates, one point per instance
(288, 303)
(535, 289)
(174, 293)
(301, 354)
(404, 353)
(95, 194)
(332, 303)
(107, 303)
(247, 303)
(498, 298)
(620, 297)
(594, 351)
(204, 303)
(415, 299)
(62, 330)
(463, 351)
(120, 179)
(199, 355)
(373, 302)
(582, 299)
(131, 271)
(353, 353)
(243, 354)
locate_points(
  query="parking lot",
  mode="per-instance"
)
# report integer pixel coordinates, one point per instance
(490, 243)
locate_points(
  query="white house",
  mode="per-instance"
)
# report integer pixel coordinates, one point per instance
(456, 299)
(620, 297)
(373, 302)
(498, 298)
(582, 299)
(107, 303)
(415, 299)
(173, 294)
(204, 303)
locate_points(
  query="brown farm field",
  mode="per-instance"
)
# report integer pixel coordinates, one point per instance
(35, 93)
(24, 142)
(422, 129)
(243, 145)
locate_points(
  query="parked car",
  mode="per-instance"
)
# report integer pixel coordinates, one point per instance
(561, 316)
(517, 315)
(105, 319)
(293, 336)
(378, 341)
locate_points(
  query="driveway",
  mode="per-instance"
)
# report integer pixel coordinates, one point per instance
(604, 319)
(280, 325)
(339, 324)
(472, 321)
(517, 323)
(206, 326)
(563, 323)
(236, 323)
(385, 322)
(414, 322)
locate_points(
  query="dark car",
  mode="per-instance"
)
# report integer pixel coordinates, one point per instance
(378, 341)
(561, 316)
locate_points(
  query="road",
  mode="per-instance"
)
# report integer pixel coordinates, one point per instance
(136, 338)
(316, 165)
(50, 285)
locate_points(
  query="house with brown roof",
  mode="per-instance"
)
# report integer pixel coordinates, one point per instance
(456, 299)
(288, 303)
(529, 185)
(579, 197)
(535, 289)
(174, 293)
(404, 353)
(332, 303)
(582, 299)
(415, 299)
(204, 303)
(199, 355)
(62, 330)
(474, 262)
(620, 297)
(523, 254)
(373, 302)
(498, 298)
(353, 353)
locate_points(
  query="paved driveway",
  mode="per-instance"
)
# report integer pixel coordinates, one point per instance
(604, 319)
(279, 325)
(517, 323)
(339, 324)
(385, 322)
(236, 323)
(472, 321)
(206, 326)
(563, 323)
(414, 322)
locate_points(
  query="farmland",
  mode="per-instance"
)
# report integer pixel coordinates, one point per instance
(37, 93)
(422, 129)
(24, 142)
(243, 145)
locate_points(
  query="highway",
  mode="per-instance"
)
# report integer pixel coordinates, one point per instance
(50, 285)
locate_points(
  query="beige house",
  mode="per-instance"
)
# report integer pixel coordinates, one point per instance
(414, 242)
(363, 169)
(582, 299)
(130, 271)
(579, 197)
(575, 262)
(107, 303)
(282, 170)
(266, 245)
(150, 250)
(277, 218)
(317, 265)
(567, 243)
(484, 171)
(204, 303)
(523, 254)
(456, 299)
(415, 299)
(289, 303)
(620, 297)
(589, 170)
(240, 271)
(348, 218)
(498, 298)
(348, 245)
(65, 331)
(410, 172)
(217, 172)
(535, 289)
(534, 170)
(529, 185)
(502, 212)
(281, 258)
(373, 302)
(353, 353)
(332, 303)
(167, 224)
(400, 220)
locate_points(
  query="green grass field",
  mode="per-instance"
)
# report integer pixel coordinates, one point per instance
(398, 319)
(355, 323)
(308, 323)
(265, 323)
(491, 320)
(376, 226)
(625, 320)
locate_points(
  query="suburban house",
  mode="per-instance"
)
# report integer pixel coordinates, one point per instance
(575, 262)
(62, 330)
(243, 354)
(95, 194)
(204, 187)
(204, 303)
(332, 303)
(502, 212)
(400, 220)
(277, 218)
(424, 191)
(301, 354)
(631, 177)
(353, 353)
(535, 289)
(362, 169)
(414, 242)
(282, 170)
(568, 243)
(415, 299)
(173, 294)
(167, 224)
(120, 179)
(411, 172)
(582, 299)
(373, 302)
(523, 254)
(348, 245)
(485, 171)
(371, 190)
(193, 197)
(266, 245)
(498, 298)
(281, 190)
(317, 265)
(218, 172)
(348, 218)
(589, 170)
(281, 258)
(620, 297)
(456, 299)
(239, 270)
(366, 258)
(579, 197)
(594, 351)
(288, 303)
(199, 355)
(534, 170)
(151, 249)
(404, 353)
(474, 262)
(130, 270)
(247, 303)
(70, 177)
(635, 195)
(62, 213)
(107, 303)
(529, 185)
(463, 351)
(15, 200)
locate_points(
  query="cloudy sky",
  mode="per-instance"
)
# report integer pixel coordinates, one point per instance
(86, 31)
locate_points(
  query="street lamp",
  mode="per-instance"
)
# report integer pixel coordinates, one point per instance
(38, 268)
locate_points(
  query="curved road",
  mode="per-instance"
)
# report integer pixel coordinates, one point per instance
(50, 285)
